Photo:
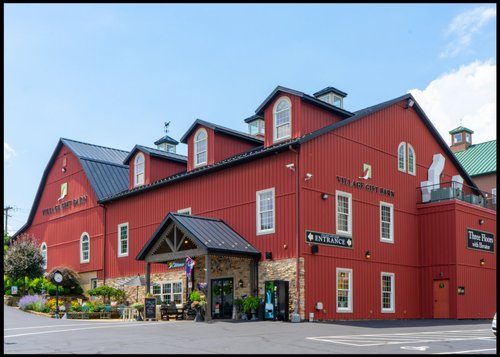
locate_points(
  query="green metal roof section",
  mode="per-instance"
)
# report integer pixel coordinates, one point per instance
(459, 130)
(479, 159)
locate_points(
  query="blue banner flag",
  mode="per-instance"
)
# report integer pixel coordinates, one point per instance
(190, 263)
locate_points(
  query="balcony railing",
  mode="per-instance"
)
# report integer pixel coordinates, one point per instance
(457, 191)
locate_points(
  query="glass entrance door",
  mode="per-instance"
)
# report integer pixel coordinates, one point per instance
(222, 298)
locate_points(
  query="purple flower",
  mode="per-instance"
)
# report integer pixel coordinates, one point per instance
(31, 302)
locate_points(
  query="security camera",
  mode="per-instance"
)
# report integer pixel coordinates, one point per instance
(308, 176)
(290, 166)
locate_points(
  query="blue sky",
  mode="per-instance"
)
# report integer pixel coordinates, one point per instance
(111, 74)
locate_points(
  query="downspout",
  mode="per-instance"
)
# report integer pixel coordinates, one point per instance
(297, 227)
(103, 243)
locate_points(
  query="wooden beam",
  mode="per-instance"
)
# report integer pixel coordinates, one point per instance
(165, 257)
(208, 309)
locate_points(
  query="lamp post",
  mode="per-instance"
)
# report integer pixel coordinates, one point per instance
(57, 278)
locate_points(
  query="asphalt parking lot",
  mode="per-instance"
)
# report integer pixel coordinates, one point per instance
(25, 333)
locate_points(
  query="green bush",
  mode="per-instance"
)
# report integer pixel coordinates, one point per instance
(249, 303)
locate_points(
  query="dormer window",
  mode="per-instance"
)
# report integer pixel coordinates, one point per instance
(200, 147)
(139, 170)
(282, 119)
(332, 99)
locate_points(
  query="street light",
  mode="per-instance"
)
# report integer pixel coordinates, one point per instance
(57, 278)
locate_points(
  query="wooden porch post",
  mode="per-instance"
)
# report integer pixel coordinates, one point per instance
(148, 277)
(208, 309)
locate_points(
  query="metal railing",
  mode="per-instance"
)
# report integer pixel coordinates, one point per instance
(457, 191)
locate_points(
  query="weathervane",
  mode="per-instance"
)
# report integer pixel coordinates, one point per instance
(167, 123)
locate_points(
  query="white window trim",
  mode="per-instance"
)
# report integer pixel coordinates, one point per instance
(467, 137)
(458, 135)
(195, 148)
(275, 131)
(162, 292)
(92, 280)
(257, 206)
(412, 170)
(347, 309)
(347, 233)
(185, 211)
(393, 294)
(136, 181)
(391, 228)
(81, 248)
(42, 246)
(403, 143)
(120, 254)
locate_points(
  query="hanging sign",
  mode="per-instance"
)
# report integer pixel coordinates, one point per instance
(480, 240)
(175, 264)
(328, 239)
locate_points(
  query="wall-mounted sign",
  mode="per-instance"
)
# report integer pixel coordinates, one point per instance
(175, 264)
(364, 186)
(65, 205)
(328, 239)
(480, 240)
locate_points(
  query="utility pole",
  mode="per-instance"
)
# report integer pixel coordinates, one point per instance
(6, 211)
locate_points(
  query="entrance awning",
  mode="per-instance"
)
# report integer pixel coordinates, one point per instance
(181, 235)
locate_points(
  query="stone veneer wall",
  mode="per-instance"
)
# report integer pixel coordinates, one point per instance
(229, 267)
(284, 269)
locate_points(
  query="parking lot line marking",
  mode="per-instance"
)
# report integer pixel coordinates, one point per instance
(77, 329)
(403, 338)
(49, 326)
(471, 351)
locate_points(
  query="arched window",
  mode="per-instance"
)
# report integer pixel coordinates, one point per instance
(43, 250)
(84, 248)
(200, 147)
(412, 167)
(139, 170)
(402, 157)
(282, 121)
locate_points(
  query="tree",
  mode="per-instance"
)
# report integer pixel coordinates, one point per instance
(71, 279)
(6, 242)
(23, 260)
(107, 292)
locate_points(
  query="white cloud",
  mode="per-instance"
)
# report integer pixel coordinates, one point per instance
(466, 97)
(8, 152)
(464, 26)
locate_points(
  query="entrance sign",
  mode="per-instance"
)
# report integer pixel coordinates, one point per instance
(328, 239)
(480, 240)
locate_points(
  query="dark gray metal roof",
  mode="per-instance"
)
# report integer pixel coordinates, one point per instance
(166, 139)
(328, 90)
(95, 152)
(221, 129)
(106, 179)
(209, 234)
(162, 154)
(253, 118)
(306, 97)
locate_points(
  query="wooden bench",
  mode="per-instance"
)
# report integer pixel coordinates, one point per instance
(171, 309)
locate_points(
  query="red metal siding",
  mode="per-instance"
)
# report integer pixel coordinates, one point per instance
(227, 146)
(314, 118)
(229, 195)
(62, 230)
(161, 168)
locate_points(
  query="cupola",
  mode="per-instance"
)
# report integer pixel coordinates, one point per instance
(461, 138)
(255, 125)
(167, 143)
(331, 96)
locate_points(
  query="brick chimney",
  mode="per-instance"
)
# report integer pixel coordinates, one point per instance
(461, 138)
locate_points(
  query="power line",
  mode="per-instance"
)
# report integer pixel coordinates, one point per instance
(6, 212)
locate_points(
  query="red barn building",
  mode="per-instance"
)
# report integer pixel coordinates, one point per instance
(351, 215)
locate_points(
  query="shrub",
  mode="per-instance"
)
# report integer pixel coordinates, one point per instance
(195, 296)
(32, 302)
(107, 292)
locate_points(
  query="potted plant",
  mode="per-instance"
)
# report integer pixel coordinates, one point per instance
(250, 305)
(139, 307)
(198, 302)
